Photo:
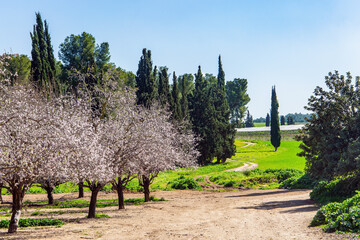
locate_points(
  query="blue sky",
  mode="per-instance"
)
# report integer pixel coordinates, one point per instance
(291, 44)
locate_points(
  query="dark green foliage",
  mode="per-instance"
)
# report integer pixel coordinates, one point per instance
(145, 80)
(43, 69)
(184, 183)
(343, 216)
(19, 66)
(260, 120)
(203, 119)
(267, 121)
(249, 120)
(165, 98)
(237, 97)
(329, 142)
(299, 117)
(184, 98)
(336, 190)
(303, 182)
(274, 128)
(31, 222)
(290, 120)
(282, 120)
(175, 108)
(225, 131)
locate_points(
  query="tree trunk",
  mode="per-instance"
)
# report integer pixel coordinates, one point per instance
(120, 192)
(81, 189)
(16, 210)
(223, 160)
(50, 196)
(146, 182)
(92, 207)
(275, 149)
(1, 199)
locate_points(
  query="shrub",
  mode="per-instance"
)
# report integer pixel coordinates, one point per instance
(303, 182)
(184, 183)
(31, 222)
(343, 216)
(283, 174)
(336, 190)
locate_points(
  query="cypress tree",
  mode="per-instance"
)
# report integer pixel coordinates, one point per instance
(225, 139)
(267, 121)
(165, 98)
(201, 113)
(282, 120)
(176, 108)
(43, 61)
(184, 99)
(145, 80)
(275, 128)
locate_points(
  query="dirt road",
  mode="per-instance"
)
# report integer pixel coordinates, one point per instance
(247, 214)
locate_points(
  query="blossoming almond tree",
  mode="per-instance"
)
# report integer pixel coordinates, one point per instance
(33, 143)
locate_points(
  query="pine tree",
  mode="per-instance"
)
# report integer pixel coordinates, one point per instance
(275, 128)
(249, 120)
(290, 120)
(225, 130)
(176, 108)
(43, 61)
(267, 121)
(145, 80)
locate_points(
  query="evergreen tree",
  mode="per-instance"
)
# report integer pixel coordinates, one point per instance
(275, 128)
(237, 97)
(225, 131)
(290, 120)
(43, 69)
(249, 120)
(282, 120)
(184, 99)
(145, 80)
(202, 118)
(165, 98)
(267, 121)
(176, 108)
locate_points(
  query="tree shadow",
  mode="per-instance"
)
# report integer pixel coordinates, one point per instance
(264, 193)
(295, 205)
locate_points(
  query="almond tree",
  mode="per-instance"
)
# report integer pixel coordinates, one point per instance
(33, 142)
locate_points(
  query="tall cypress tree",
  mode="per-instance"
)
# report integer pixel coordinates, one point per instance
(184, 99)
(176, 109)
(275, 126)
(225, 130)
(165, 97)
(43, 61)
(267, 121)
(145, 80)
(201, 113)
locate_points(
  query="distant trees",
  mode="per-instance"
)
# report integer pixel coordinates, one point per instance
(267, 121)
(290, 120)
(331, 142)
(249, 120)
(274, 128)
(282, 120)
(237, 98)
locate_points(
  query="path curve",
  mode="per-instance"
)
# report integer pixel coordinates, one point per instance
(247, 165)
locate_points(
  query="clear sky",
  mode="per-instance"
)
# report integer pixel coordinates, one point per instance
(291, 44)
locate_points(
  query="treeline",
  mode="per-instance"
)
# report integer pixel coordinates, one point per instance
(290, 118)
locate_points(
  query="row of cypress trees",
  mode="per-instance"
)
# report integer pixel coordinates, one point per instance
(206, 109)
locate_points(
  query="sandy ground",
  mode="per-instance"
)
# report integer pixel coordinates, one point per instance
(245, 214)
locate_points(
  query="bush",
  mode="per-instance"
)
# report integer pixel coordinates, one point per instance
(336, 190)
(31, 222)
(343, 216)
(184, 183)
(303, 182)
(283, 174)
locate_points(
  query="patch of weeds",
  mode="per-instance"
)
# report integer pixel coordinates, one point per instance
(183, 182)
(36, 213)
(99, 215)
(31, 222)
(200, 179)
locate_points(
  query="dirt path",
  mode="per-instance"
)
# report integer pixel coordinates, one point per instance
(247, 165)
(245, 215)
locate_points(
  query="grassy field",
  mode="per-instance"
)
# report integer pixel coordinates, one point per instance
(288, 135)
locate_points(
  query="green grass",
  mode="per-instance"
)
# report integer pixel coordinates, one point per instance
(30, 222)
(263, 154)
